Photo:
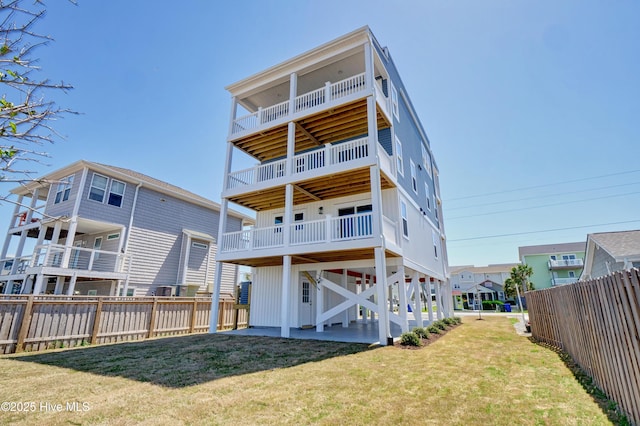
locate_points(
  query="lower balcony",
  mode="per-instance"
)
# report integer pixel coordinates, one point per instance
(56, 259)
(332, 233)
(563, 281)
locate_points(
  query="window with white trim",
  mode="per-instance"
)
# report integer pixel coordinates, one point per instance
(196, 244)
(427, 196)
(414, 179)
(116, 193)
(426, 159)
(64, 189)
(405, 220)
(572, 274)
(97, 245)
(113, 236)
(394, 102)
(98, 187)
(434, 237)
(298, 217)
(399, 156)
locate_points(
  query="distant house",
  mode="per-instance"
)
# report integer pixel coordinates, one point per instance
(95, 229)
(474, 284)
(553, 264)
(608, 252)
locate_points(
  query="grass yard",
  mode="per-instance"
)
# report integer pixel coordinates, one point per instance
(480, 373)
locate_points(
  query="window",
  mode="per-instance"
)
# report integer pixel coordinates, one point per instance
(414, 179)
(64, 189)
(305, 292)
(427, 196)
(405, 221)
(394, 102)
(426, 159)
(97, 245)
(572, 274)
(113, 236)
(116, 192)
(568, 257)
(553, 257)
(98, 188)
(434, 237)
(278, 222)
(399, 156)
(298, 217)
(199, 245)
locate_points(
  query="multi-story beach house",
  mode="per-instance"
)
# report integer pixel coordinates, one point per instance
(345, 189)
(94, 229)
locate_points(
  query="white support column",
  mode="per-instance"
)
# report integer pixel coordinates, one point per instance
(293, 92)
(376, 203)
(59, 285)
(345, 314)
(55, 237)
(71, 235)
(233, 115)
(417, 292)
(285, 314)
(72, 285)
(402, 300)
(291, 147)
(381, 282)
(217, 280)
(368, 65)
(27, 288)
(372, 314)
(7, 241)
(439, 307)
(37, 288)
(319, 303)
(288, 214)
(427, 286)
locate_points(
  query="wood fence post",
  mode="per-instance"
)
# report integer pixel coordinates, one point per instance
(24, 325)
(152, 320)
(96, 322)
(194, 313)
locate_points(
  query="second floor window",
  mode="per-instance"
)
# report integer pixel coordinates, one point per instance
(116, 192)
(64, 189)
(414, 179)
(399, 156)
(405, 219)
(98, 188)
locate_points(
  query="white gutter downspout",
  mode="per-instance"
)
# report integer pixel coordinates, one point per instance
(125, 249)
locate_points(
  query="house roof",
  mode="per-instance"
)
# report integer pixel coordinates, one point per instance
(551, 249)
(620, 245)
(131, 176)
(489, 269)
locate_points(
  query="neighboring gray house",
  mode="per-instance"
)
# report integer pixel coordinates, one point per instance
(608, 252)
(94, 229)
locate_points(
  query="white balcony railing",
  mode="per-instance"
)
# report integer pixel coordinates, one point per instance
(329, 94)
(328, 155)
(564, 263)
(331, 229)
(60, 256)
(7, 265)
(563, 281)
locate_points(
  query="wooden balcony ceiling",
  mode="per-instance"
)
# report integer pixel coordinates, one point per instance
(332, 125)
(330, 256)
(322, 188)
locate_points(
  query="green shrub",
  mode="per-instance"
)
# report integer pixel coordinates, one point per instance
(433, 329)
(449, 321)
(410, 339)
(457, 320)
(440, 324)
(421, 332)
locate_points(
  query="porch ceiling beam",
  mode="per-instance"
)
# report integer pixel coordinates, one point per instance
(307, 134)
(305, 259)
(307, 193)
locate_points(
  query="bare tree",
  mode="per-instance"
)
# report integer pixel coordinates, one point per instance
(26, 114)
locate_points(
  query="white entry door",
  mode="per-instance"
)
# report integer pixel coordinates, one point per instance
(307, 313)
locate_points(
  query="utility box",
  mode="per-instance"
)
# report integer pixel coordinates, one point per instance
(166, 290)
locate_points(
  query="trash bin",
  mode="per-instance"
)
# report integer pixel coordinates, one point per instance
(507, 307)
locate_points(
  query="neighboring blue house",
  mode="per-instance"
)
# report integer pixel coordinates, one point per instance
(94, 229)
(345, 191)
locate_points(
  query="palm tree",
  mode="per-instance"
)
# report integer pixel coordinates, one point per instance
(519, 279)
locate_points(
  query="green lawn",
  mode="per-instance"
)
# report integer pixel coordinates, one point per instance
(479, 373)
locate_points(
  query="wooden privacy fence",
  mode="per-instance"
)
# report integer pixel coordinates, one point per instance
(597, 323)
(33, 323)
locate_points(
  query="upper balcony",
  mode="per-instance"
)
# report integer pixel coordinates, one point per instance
(332, 95)
(565, 264)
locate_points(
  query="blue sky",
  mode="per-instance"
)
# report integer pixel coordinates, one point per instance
(532, 107)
